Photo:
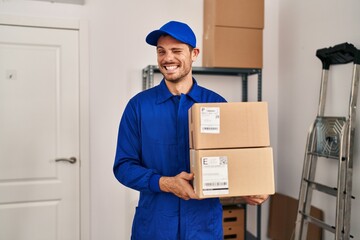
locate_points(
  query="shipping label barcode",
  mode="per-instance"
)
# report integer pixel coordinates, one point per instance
(210, 128)
(215, 184)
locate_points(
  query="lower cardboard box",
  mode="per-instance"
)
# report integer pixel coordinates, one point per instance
(232, 172)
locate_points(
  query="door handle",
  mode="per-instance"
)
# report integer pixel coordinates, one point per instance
(71, 160)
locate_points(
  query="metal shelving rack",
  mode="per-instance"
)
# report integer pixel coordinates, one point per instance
(244, 73)
(149, 71)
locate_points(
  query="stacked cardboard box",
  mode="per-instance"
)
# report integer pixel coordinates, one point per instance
(233, 33)
(233, 223)
(230, 149)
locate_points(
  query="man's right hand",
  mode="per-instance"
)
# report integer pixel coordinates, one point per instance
(179, 185)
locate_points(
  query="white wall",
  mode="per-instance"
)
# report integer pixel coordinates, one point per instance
(291, 80)
(118, 53)
(304, 27)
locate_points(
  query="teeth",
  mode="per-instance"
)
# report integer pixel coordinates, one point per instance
(171, 67)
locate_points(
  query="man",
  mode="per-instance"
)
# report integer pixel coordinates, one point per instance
(152, 154)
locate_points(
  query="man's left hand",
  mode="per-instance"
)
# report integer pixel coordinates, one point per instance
(256, 199)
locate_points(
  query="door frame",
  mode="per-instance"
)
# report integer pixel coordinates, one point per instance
(84, 105)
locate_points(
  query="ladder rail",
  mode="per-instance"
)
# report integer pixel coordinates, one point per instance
(350, 145)
(323, 92)
(341, 184)
(301, 223)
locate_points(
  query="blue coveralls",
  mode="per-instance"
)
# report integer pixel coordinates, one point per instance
(153, 141)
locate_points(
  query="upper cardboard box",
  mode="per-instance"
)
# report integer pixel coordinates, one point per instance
(228, 125)
(234, 13)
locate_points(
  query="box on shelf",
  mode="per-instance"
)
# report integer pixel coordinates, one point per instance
(233, 216)
(232, 47)
(233, 33)
(232, 172)
(234, 232)
(234, 13)
(228, 125)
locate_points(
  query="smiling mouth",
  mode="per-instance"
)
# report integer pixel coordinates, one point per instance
(171, 68)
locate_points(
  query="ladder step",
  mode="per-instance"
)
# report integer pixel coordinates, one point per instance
(322, 188)
(325, 156)
(318, 222)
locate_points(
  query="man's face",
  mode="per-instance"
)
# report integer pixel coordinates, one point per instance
(175, 58)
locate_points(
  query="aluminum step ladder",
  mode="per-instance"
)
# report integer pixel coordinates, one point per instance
(330, 138)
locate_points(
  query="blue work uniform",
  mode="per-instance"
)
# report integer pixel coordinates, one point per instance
(153, 141)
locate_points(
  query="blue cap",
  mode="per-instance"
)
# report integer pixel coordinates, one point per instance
(178, 30)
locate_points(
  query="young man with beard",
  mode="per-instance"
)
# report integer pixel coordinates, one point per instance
(152, 153)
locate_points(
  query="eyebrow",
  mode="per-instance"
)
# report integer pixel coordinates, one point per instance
(174, 48)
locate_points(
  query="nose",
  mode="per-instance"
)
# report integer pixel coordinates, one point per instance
(168, 56)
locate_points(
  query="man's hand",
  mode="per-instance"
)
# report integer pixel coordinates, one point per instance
(255, 200)
(179, 185)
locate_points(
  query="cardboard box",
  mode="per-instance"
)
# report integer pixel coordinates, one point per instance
(233, 216)
(232, 172)
(232, 47)
(282, 218)
(233, 35)
(234, 232)
(234, 13)
(234, 222)
(228, 125)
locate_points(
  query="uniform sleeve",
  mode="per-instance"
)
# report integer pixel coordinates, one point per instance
(127, 165)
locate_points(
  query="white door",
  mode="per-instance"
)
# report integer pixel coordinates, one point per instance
(39, 124)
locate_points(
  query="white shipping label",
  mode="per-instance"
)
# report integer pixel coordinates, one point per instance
(215, 175)
(210, 120)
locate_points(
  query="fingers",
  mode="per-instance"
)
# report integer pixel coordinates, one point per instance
(256, 199)
(179, 185)
(186, 176)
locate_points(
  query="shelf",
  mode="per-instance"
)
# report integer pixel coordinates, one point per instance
(149, 71)
(216, 70)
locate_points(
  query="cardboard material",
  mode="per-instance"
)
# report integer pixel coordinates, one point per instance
(229, 125)
(233, 216)
(233, 33)
(232, 47)
(232, 172)
(282, 217)
(234, 13)
(234, 222)
(233, 232)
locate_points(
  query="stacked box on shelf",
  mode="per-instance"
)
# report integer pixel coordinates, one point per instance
(233, 223)
(230, 149)
(233, 33)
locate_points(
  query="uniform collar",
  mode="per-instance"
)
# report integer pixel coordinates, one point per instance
(163, 93)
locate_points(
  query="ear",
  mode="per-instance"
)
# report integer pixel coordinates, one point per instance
(194, 54)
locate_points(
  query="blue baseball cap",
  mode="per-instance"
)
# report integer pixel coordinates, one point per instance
(178, 30)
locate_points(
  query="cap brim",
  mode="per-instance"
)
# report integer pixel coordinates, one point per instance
(153, 37)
